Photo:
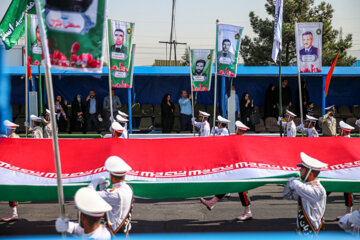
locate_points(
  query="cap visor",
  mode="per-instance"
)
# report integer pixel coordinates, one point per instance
(301, 165)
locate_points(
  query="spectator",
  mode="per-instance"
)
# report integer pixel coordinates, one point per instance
(116, 106)
(271, 100)
(246, 109)
(310, 109)
(93, 112)
(185, 112)
(78, 117)
(286, 96)
(237, 106)
(167, 114)
(62, 103)
(61, 118)
(305, 98)
(328, 122)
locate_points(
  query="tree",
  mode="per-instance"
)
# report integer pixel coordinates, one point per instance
(185, 59)
(257, 51)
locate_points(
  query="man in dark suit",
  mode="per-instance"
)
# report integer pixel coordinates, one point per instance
(93, 112)
(119, 37)
(309, 52)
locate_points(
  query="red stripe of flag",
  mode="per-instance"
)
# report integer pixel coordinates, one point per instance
(328, 77)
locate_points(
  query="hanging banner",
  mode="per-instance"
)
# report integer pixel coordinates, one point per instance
(75, 33)
(200, 69)
(120, 36)
(12, 26)
(308, 38)
(228, 39)
(34, 50)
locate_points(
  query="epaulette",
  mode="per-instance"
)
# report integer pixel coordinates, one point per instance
(113, 189)
(315, 184)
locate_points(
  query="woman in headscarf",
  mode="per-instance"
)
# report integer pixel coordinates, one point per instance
(167, 114)
(270, 104)
(246, 109)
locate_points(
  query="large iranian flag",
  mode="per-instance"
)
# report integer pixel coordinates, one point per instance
(174, 168)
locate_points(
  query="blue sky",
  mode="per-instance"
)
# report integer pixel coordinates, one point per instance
(195, 21)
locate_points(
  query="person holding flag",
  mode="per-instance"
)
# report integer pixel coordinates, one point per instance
(221, 129)
(204, 125)
(328, 122)
(310, 194)
(309, 127)
(288, 124)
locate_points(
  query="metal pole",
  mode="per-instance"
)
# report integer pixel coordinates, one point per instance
(280, 92)
(175, 53)
(26, 78)
(300, 100)
(109, 69)
(40, 91)
(132, 84)
(323, 102)
(50, 95)
(223, 96)
(192, 91)
(215, 80)
(130, 110)
(171, 31)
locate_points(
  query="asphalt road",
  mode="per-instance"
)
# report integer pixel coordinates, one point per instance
(271, 213)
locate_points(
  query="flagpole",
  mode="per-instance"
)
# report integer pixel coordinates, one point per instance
(300, 90)
(50, 96)
(26, 79)
(40, 91)
(215, 80)
(110, 92)
(130, 89)
(192, 90)
(280, 91)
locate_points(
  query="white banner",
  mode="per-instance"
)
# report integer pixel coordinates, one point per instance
(277, 29)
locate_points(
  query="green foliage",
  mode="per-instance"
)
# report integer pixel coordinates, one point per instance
(257, 51)
(185, 59)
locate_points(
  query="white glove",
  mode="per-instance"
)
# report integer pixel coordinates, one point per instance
(97, 181)
(301, 125)
(279, 120)
(193, 119)
(357, 122)
(62, 225)
(26, 124)
(104, 185)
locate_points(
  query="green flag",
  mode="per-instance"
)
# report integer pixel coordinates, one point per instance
(201, 66)
(228, 39)
(34, 50)
(12, 26)
(120, 36)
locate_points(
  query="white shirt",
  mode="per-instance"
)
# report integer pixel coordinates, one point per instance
(120, 199)
(38, 132)
(310, 132)
(313, 198)
(100, 233)
(220, 131)
(290, 128)
(346, 225)
(203, 126)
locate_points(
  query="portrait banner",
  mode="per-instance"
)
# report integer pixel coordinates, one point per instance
(308, 38)
(75, 33)
(200, 69)
(228, 39)
(120, 36)
(34, 50)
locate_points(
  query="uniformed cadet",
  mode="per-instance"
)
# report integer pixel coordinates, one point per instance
(345, 129)
(357, 123)
(92, 208)
(120, 196)
(203, 125)
(309, 127)
(48, 129)
(117, 130)
(123, 120)
(288, 124)
(245, 200)
(311, 195)
(221, 129)
(350, 222)
(328, 122)
(10, 133)
(37, 132)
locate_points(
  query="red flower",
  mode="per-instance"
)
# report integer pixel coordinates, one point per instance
(75, 48)
(114, 68)
(37, 63)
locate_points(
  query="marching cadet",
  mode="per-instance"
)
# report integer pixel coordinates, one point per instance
(309, 127)
(288, 124)
(48, 129)
(37, 132)
(345, 129)
(120, 196)
(221, 129)
(245, 200)
(122, 119)
(311, 195)
(117, 130)
(328, 122)
(204, 125)
(350, 222)
(10, 133)
(92, 208)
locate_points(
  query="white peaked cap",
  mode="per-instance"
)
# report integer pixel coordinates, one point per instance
(309, 162)
(121, 118)
(290, 113)
(332, 107)
(122, 114)
(241, 126)
(35, 118)
(346, 127)
(204, 114)
(310, 118)
(89, 202)
(117, 127)
(10, 125)
(47, 111)
(116, 166)
(355, 218)
(222, 120)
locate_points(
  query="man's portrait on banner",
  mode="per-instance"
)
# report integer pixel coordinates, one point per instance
(226, 55)
(119, 38)
(309, 53)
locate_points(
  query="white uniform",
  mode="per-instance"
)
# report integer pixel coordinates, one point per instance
(312, 196)
(48, 130)
(120, 198)
(290, 128)
(203, 126)
(347, 136)
(124, 134)
(346, 224)
(37, 132)
(220, 131)
(100, 233)
(310, 132)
